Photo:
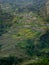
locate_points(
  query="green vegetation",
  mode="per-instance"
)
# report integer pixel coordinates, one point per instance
(20, 61)
(5, 21)
(24, 34)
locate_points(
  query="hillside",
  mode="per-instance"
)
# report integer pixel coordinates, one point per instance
(26, 28)
(24, 33)
(27, 38)
(20, 5)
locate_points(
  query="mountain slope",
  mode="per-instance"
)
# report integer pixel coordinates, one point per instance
(24, 33)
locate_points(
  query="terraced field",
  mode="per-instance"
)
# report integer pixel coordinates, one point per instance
(25, 26)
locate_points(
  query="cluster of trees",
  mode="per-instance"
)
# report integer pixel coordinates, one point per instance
(11, 60)
(5, 21)
(40, 62)
(35, 49)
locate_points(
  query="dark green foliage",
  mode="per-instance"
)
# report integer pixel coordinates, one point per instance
(40, 62)
(44, 40)
(5, 21)
(43, 43)
(10, 60)
(47, 19)
(18, 61)
(30, 47)
(0, 47)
